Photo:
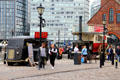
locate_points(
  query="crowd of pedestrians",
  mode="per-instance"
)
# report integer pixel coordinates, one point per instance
(113, 52)
(53, 52)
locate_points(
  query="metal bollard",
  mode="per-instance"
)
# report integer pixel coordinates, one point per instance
(116, 62)
(101, 60)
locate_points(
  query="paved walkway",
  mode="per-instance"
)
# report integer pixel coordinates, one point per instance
(64, 70)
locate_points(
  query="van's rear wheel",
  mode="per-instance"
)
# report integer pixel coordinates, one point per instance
(10, 63)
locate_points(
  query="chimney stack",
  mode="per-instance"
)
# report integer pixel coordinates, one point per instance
(80, 28)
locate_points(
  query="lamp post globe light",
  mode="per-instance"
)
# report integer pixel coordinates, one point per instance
(40, 10)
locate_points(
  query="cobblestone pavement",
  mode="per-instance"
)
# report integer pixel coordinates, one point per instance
(64, 70)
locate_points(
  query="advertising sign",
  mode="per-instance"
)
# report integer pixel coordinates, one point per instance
(30, 54)
(98, 28)
(44, 34)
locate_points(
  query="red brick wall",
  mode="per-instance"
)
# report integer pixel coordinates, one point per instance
(103, 2)
(97, 18)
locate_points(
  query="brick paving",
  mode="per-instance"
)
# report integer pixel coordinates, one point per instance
(64, 70)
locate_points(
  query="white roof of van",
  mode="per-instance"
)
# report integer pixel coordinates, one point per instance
(21, 37)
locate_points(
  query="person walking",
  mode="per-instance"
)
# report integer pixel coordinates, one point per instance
(76, 49)
(60, 53)
(53, 53)
(110, 54)
(84, 53)
(77, 56)
(118, 52)
(69, 50)
(101, 51)
(42, 56)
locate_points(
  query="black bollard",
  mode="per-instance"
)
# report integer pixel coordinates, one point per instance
(101, 60)
(116, 62)
(5, 58)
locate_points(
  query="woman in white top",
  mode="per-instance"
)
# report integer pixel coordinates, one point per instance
(76, 49)
(53, 53)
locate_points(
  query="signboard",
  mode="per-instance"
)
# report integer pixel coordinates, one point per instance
(44, 34)
(30, 54)
(98, 28)
(91, 28)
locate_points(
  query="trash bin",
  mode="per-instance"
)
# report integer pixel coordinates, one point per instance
(77, 58)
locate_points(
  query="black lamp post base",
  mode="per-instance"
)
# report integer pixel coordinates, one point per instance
(101, 60)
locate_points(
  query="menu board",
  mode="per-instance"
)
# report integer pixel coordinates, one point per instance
(30, 54)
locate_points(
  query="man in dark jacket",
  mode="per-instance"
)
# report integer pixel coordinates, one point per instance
(42, 55)
(110, 54)
(118, 52)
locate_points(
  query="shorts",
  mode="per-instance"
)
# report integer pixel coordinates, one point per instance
(84, 55)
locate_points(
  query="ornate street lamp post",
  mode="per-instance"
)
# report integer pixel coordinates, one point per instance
(104, 31)
(102, 56)
(40, 11)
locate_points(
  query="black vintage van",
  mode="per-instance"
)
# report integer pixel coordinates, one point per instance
(17, 50)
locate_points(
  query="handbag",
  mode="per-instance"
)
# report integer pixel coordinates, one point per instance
(82, 60)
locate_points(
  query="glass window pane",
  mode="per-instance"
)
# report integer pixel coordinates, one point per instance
(118, 17)
(111, 14)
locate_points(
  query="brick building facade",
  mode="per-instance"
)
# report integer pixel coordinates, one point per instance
(110, 11)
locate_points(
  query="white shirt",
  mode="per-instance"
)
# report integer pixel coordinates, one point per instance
(109, 50)
(43, 52)
(76, 50)
(53, 50)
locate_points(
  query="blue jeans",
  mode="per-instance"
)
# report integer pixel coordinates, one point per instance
(118, 57)
(109, 57)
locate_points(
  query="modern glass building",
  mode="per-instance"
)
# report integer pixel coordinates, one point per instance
(60, 15)
(13, 18)
(95, 6)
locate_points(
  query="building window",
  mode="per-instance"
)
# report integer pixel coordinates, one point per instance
(52, 8)
(118, 17)
(52, 0)
(111, 14)
(104, 17)
(53, 4)
(53, 13)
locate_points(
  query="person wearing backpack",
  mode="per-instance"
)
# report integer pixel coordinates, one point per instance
(53, 53)
(84, 53)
